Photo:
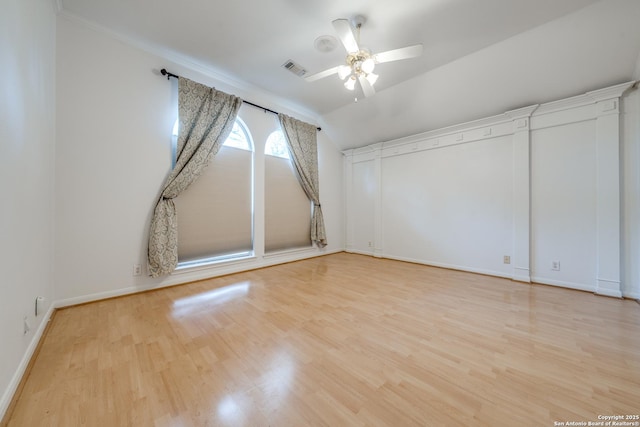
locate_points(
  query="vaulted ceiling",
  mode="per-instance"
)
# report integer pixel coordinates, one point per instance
(480, 57)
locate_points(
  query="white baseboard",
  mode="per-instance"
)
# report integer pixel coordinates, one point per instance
(608, 293)
(562, 284)
(610, 288)
(521, 274)
(450, 266)
(524, 279)
(631, 295)
(359, 252)
(24, 363)
(104, 295)
(202, 273)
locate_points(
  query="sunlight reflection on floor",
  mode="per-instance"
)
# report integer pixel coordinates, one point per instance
(193, 303)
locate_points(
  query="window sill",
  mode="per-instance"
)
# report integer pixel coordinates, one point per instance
(276, 254)
(227, 264)
(206, 264)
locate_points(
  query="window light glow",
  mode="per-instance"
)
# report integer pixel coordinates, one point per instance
(176, 126)
(207, 300)
(276, 145)
(238, 138)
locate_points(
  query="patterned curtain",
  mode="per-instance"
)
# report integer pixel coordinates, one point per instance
(206, 120)
(302, 142)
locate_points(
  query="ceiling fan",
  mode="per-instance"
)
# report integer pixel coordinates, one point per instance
(360, 62)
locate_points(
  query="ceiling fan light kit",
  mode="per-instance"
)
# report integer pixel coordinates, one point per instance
(350, 83)
(360, 62)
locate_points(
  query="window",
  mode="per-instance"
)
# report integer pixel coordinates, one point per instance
(238, 138)
(276, 145)
(215, 214)
(287, 208)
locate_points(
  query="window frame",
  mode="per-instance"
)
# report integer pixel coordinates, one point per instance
(237, 256)
(281, 139)
(275, 245)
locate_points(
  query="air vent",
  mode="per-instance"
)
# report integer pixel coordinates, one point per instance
(296, 69)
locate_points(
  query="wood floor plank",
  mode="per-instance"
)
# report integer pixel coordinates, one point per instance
(340, 340)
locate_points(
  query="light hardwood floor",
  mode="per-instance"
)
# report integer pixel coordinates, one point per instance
(340, 340)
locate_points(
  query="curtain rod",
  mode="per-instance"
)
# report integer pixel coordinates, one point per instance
(164, 72)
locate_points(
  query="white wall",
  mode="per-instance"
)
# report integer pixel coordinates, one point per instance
(630, 163)
(27, 142)
(563, 204)
(551, 182)
(363, 202)
(115, 116)
(450, 206)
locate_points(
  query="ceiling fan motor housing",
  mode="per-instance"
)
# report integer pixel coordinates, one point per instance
(357, 59)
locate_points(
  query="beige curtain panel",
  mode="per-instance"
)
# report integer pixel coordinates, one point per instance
(206, 119)
(302, 141)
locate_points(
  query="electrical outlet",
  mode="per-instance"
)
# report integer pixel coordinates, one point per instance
(507, 259)
(370, 244)
(137, 269)
(555, 265)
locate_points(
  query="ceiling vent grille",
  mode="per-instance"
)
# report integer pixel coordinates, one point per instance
(296, 69)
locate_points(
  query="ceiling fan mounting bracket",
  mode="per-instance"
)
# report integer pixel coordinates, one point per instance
(358, 21)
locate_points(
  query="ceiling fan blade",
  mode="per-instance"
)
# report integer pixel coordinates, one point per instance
(345, 33)
(398, 54)
(367, 89)
(322, 74)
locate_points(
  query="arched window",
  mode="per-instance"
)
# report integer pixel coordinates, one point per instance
(286, 206)
(276, 145)
(239, 137)
(215, 213)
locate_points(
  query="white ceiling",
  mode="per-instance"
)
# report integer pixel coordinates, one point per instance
(481, 57)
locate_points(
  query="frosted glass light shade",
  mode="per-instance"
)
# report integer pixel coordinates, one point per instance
(343, 71)
(350, 83)
(368, 65)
